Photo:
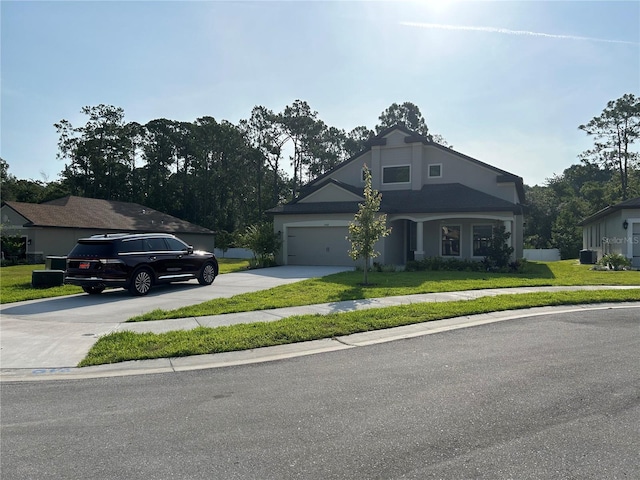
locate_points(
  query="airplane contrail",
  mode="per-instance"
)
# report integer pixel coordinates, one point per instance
(511, 32)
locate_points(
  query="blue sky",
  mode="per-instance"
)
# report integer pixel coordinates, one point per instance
(505, 82)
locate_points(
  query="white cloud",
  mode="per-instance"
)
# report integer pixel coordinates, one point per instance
(511, 32)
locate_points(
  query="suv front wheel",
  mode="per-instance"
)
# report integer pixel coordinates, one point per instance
(207, 274)
(141, 282)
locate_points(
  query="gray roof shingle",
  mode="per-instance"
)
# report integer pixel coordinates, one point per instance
(440, 198)
(632, 203)
(93, 213)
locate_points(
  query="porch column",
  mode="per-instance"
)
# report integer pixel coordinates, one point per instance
(507, 229)
(419, 255)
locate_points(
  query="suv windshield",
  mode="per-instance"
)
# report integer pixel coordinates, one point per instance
(92, 249)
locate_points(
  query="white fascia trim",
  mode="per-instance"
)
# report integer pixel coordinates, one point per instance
(431, 218)
(318, 223)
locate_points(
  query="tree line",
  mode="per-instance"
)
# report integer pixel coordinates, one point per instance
(224, 176)
(212, 173)
(607, 174)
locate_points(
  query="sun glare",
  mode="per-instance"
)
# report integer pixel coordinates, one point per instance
(437, 5)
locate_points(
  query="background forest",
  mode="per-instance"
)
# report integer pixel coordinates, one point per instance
(224, 176)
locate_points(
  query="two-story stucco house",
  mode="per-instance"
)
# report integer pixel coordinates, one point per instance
(438, 202)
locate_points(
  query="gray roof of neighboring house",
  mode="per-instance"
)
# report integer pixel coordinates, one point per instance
(632, 203)
(93, 213)
(439, 198)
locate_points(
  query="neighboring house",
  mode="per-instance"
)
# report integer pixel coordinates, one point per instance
(614, 229)
(439, 203)
(52, 228)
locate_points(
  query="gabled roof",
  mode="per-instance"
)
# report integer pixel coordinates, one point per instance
(437, 198)
(414, 137)
(632, 203)
(309, 189)
(93, 213)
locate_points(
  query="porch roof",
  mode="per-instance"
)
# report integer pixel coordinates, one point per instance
(439, 198)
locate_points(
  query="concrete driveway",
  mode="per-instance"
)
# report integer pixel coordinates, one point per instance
(58, 332)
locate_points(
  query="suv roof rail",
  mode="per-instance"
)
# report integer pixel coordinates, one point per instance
(137, 234)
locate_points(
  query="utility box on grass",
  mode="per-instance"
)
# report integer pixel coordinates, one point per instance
(55, 263)
(47, 278)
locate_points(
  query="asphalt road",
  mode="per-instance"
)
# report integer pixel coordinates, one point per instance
(551, 397)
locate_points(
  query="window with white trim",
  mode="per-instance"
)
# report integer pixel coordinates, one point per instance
(396, 174)
(450, 240)
(435, 170)
(482, 235)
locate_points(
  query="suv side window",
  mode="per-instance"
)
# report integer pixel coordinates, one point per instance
(130, 246)
(155, 245)
(176, 245)
(92, 249)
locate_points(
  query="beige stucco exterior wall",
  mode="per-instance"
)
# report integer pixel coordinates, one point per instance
(331, 193)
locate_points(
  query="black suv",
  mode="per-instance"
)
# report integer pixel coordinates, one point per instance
(136, 262)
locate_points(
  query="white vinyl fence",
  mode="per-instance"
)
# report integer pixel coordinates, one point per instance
(541, 254)
(234, 253)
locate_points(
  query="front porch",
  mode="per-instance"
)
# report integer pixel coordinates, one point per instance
(452, 236)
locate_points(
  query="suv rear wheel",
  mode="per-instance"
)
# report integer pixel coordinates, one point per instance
(141, 282)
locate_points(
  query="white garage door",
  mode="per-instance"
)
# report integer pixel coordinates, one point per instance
(318, 246)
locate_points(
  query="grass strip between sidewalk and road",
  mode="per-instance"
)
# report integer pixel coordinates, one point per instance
(126, 345)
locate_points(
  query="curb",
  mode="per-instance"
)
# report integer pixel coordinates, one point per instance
(280, 352)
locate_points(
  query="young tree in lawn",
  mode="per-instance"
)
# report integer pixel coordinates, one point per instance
(368, 226)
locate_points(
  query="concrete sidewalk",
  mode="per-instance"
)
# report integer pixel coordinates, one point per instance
(161, 326)
(67, 370)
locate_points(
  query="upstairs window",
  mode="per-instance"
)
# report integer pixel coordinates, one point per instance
(396, 174)
(435, 170)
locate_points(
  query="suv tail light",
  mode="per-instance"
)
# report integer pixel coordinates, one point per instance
(106, 261)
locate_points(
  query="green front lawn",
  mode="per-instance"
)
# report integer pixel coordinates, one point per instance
(346, 286)
(15, 281)
(15, 285)
(123, 346)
